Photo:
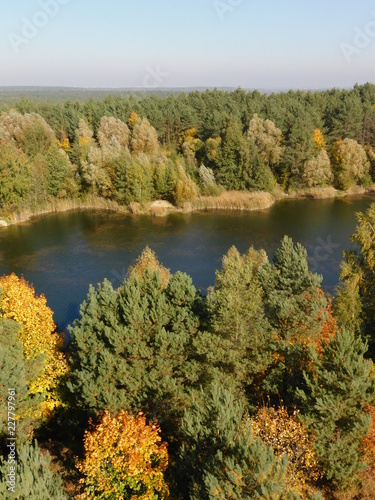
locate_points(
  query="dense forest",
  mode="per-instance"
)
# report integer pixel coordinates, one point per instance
(264, 388)
(132, 150)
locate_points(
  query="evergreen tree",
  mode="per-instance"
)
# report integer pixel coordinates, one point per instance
(131, 346)
(334, 406)
(34, 477)
(296, 309)
(233, 157)
(221, 458)
(16, 372)
(355, 302)
(236, 349)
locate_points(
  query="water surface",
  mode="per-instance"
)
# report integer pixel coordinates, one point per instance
(62, 254)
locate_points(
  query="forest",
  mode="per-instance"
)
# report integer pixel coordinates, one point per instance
(264, 388)
(184, 147)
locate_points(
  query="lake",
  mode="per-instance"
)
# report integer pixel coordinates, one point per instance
(62, 254)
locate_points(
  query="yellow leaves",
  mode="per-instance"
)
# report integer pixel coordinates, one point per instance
(65, 144)
(83, 140)
(19, 302)
(287, 435)
(133, 120)
(148, 260)
(124, 454)
(318, 139)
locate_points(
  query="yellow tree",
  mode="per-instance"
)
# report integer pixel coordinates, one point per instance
(124, 458)
(288, 436)
(319, 140)
(39, 338)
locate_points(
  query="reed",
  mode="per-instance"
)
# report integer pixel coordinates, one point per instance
(54, 206)
(233, 200)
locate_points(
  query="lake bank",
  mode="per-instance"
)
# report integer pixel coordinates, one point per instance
(228, 200)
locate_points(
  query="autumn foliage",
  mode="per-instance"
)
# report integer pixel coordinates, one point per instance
(19, 302)
(124, 458)
(288, 436)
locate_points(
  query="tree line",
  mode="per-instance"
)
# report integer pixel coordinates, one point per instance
(137, 149)
(264, 388)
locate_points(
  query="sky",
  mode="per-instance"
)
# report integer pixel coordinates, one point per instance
(264, 44)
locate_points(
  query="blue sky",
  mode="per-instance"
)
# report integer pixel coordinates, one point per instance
(180, 43)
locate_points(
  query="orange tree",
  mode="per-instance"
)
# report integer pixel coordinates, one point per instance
(124, 458)
(40, 341)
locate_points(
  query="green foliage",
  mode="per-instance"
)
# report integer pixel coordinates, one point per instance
(221, 458)
(233, 156)
(334, 406)
(16, 373)
(350, 163)
(34, 477)
(15, 176)
(60, 171)
(250, 141)
(130, 347)
(236, 347)
(295, 307)
(355, 302)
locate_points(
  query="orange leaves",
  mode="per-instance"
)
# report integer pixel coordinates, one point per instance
(369, 441)
(124, 458)
(19, 302)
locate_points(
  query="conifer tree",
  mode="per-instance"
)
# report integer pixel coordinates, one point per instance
(355, 301)
(334, 406)
(236, 348)
(131, 346)
(34, 477)
(221, 458)
(296, 309)
(16, 372)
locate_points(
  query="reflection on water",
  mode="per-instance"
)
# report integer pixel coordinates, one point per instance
(62, 254)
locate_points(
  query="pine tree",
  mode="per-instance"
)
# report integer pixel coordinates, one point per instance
(355, 302)
(334, 406)
(131, 346)
(236, 349)
(16, 372)
(221, 458)
(34, 477)
(296, 309)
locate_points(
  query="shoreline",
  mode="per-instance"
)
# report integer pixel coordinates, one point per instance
(228, 200)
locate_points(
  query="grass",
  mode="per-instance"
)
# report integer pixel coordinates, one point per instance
(65, 205)
(233, 200)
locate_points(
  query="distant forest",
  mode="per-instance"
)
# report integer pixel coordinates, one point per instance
(178, 147)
